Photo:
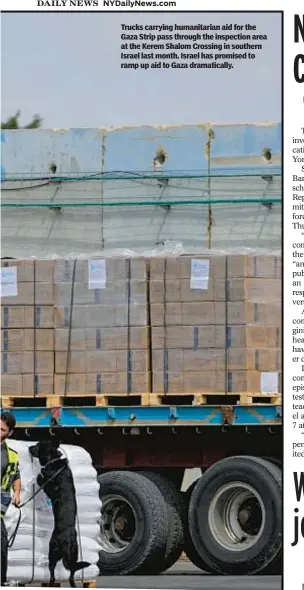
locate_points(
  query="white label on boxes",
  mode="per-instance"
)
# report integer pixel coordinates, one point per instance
(199, 274)
(9, 286)
(97, 274)
(269, 382)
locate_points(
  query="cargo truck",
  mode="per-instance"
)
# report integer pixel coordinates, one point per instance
(228, 521)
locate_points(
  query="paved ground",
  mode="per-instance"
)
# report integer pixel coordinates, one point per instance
(184, 576)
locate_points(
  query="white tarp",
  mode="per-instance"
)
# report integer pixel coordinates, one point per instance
(28, 557)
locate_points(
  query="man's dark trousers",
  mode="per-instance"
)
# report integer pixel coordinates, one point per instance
(4, 552)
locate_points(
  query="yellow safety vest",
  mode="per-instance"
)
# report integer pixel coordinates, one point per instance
(11, 470)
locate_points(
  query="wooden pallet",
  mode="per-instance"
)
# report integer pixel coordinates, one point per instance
(59, 401)
(214, 399)
(248, 399)
(142, 399)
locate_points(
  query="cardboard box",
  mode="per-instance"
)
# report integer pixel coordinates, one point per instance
(198, 360)
(188, 314)
(243, 313)
(174, 291)
(27, 340)
(11, 384)
(205, 382)
(121, 361)
(94, 384)
(119, 383)
(44, 362)
(27, 317)
(41, 339)
(17, 363)
(254, 382)
(167, 382)
(104, 316)
(83, 316)
(75, 362)
(102, 361)
(188, 337)
(115, 269)
(215, 324)
(267, 291)
(29, 385)
(254, 336)
(181, 267)
(29, 271)
(257, 290)
(31, 294)
(42, 384)
(43, 271)
(217, 265)
(72, 384)
(102, 338)
(205, 360)
(206, 313)
(259, 266)
(237, 382)
(240, 359)
(189, 382)
(24, 269)
(14, 317)
(16, 340)
(115, 293)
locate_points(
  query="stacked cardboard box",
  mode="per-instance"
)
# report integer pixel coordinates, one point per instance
(254, 339)
(74, 327)
(216, 324)
(208, 324)
(27, 327)
(101, 318)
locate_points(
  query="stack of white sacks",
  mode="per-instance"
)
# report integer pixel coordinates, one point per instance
(28, 557)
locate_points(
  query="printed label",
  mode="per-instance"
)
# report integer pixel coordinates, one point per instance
(9, 287)
(269, 382)
(97, 274)
(199, 274)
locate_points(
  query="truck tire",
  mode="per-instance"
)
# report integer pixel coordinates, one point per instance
(134, 523)
(176, 516)
(235, 516)
(273, 460)
(275, 568)
(189, 548)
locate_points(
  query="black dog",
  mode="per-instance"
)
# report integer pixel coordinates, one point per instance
(61, 491)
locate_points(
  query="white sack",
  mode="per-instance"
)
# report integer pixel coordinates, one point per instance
(37, 519)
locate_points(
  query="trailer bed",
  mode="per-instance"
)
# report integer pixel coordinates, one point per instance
(145, 416)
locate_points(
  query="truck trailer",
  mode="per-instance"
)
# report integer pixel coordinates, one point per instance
(88, 191)
(229, 521)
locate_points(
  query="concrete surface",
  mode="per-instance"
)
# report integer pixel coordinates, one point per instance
(195, 583)
(187, 577)
(27, 156)
(29, 153)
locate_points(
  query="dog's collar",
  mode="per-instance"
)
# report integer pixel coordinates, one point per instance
(53, 461)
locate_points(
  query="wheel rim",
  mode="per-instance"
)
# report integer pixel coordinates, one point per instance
(236, 516)
(118, 524)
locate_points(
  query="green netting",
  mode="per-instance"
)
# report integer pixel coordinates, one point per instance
(143, 190)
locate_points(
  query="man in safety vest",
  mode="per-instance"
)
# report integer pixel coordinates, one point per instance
(10, 482)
